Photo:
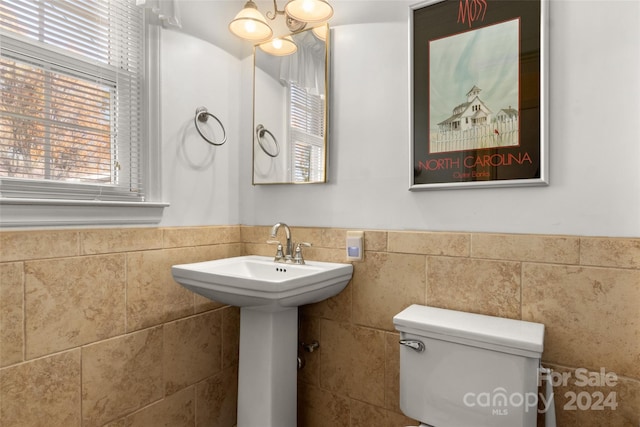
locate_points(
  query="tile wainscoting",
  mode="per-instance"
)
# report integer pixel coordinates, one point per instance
(95, 332)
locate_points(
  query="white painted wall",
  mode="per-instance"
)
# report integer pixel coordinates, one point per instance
(199, 181)
(594, 136)
(594, 139)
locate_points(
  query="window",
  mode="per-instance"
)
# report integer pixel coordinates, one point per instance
(72, 101)
(307, 127)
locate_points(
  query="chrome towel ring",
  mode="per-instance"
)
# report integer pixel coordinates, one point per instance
(260, 131)
(202, 115)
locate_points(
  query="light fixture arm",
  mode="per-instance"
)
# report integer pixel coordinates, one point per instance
(292, 23)
(276, 12)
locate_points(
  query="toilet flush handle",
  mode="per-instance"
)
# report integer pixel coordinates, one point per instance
(414, 344)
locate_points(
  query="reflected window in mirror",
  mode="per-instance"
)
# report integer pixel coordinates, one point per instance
(306, 134)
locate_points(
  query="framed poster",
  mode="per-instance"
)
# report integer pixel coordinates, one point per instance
(478, 76)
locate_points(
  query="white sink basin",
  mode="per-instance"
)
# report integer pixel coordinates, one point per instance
(259, 282)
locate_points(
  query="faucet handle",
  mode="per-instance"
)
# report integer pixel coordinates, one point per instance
(298, 259)
(279, 254)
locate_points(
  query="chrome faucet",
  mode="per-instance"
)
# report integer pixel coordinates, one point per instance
(287, 233)
(287, 255)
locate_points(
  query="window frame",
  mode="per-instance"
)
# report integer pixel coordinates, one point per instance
(30, 212)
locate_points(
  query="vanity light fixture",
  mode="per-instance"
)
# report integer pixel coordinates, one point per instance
(251, 25)
(279, 46)
(309, 11)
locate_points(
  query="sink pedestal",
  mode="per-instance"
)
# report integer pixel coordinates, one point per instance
(268, 368)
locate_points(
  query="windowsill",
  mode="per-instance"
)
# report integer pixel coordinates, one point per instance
(16, 212)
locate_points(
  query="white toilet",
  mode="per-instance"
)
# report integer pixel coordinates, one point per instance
(468, 370)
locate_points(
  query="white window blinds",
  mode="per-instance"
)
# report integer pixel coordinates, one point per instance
(307, 127)
(71, 75)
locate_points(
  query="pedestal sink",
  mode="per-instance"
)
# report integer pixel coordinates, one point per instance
(269, 294)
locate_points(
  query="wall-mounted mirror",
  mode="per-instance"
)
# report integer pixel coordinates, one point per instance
(290, 109)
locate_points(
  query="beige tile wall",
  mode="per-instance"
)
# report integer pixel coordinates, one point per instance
(93, 330)
(585, 290)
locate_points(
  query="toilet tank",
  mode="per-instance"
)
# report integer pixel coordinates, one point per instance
(462, 369)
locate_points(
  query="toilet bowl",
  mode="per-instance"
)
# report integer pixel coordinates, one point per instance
(462, 369)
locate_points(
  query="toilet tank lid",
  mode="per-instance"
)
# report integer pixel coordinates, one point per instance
(470, 328)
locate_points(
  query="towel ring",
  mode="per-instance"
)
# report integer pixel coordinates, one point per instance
(260, 131)
(202, 115)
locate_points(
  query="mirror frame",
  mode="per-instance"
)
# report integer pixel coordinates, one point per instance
(270, 154)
